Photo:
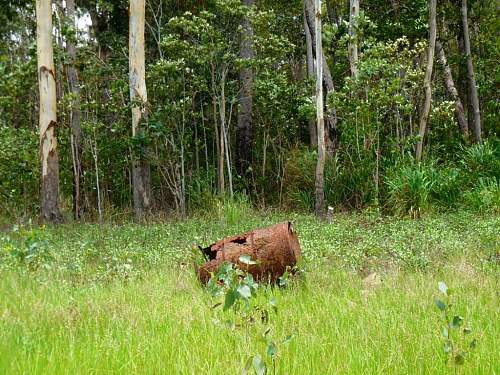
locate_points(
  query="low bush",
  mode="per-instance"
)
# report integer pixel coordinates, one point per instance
(409, 189)
(485, 197)
(481, 160)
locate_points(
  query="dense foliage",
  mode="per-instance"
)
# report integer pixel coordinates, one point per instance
(192, 67)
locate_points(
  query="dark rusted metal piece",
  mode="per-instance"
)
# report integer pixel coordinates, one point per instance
(274, 248)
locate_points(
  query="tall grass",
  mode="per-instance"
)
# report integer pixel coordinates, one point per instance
(164, 324)
(123, 299)
(405, 187)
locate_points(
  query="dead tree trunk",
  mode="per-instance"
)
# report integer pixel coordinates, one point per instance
(244, 124)
(76, 132)
(141, 180)
(49, 200)
(273, 249)
(427, 79)
(470, 75)
(451, 89)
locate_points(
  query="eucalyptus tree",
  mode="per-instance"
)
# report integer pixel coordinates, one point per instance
(451, 89)
(75, 114)
(313, 137)
(427, 79)
(353, 36)
(244, 124)
(141, 180)
(320, 166)
(470, 74)
(49, 202)
(330, 121)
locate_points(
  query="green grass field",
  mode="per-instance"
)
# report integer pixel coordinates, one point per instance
(90, 299)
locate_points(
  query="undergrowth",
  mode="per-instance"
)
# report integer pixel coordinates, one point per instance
(123, 298)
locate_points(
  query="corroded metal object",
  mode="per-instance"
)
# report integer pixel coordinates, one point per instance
(274, 249)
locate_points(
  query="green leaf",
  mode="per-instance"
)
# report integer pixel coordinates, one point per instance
(447, 347)
(248, 280)
(445, 332)
(226, 267)
(231, 297)
(440, 304)
(271, 349)
(287, 339)
(283, 280)
(244, 291)
(273, 304)
(247, 260)
(457, 321)
(259, 365)
(443, 288)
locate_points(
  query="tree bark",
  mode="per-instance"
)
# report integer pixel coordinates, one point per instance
(353, 42)
(320, 166)
(244, 124)
(470, 75)
(451, 89)
(141, 179)
(462, 84)
(75, 116)
(313, 136)
(427, 79)
(330, 121)
(49, 200)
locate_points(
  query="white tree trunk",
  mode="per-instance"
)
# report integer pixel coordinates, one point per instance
(139, 99)
(320, 166)
(49, 202)
(427, 79)
(313, 137)
(353, 37)
(331, 115)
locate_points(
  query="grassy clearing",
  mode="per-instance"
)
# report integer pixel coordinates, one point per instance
(124, 299)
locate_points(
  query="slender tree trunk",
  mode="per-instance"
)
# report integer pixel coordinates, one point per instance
(320, 166)
(462, 85)
(49, 200)
(331, 12)
(451, 89)
(141, 179)
(331, 116)
(427, 79)
(222, 114)
(223, 131)
(313, 136)
(244, 124)
(76, 133)
(470, 75)
(353, 37)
